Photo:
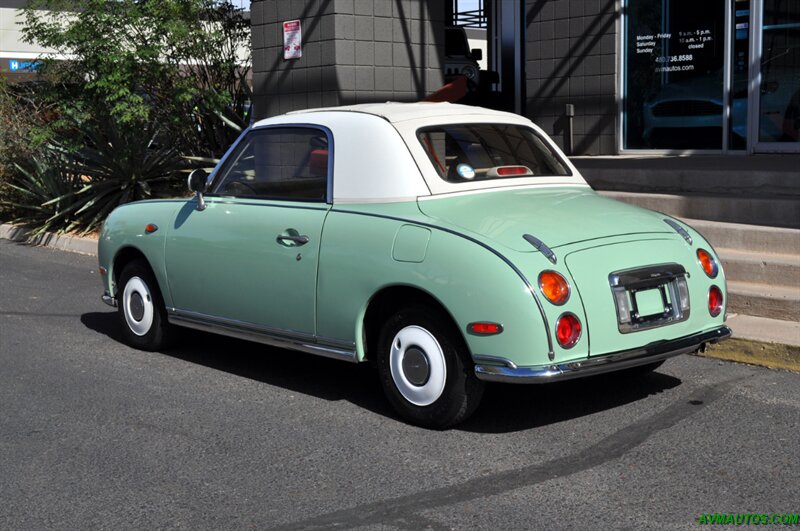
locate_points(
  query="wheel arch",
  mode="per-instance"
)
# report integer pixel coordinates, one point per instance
(388, 300)
(123, 257)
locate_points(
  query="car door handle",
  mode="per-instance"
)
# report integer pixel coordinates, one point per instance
(300, 239)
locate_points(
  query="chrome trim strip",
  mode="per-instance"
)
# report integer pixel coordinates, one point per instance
(254, 201)
(494, 360)
(108, 299)
(276, 337)
(616, 361)
(213, 175)
(531, 290)
(680, 230)
(540, 246)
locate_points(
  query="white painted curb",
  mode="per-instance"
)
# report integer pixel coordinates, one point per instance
(74, 244)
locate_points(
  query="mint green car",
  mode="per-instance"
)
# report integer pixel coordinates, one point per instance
(450, 245)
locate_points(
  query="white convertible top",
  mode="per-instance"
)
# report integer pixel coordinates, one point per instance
(400, 112)
(378, 158)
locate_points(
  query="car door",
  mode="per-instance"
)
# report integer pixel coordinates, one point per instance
(250, 258)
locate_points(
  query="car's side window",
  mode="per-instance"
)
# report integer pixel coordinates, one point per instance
(289, 163)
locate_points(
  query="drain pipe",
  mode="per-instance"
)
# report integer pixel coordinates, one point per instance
(569, 112)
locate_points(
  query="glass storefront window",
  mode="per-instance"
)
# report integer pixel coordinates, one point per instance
(779, 97)
(740, 75)
(674, 60)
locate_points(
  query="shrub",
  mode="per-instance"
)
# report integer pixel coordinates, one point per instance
(65, 190)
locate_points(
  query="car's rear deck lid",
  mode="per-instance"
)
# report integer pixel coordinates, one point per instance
(554, 216)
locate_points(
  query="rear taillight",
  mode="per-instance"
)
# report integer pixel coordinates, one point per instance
(568, 330)
(554, 287)
(715, 301)
(707, 262)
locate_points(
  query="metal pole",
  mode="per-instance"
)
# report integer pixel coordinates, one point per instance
(569, 112)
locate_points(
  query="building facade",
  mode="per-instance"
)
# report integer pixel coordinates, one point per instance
(17, 57)
(601, 76)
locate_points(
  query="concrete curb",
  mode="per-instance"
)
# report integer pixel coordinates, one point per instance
(770, 355)
(73, 244)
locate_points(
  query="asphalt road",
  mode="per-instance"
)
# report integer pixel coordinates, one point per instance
(223, 434)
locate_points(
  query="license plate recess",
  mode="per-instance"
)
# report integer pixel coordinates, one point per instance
(650, 297)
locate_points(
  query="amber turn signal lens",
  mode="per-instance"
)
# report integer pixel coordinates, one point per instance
(708, 263)
(568, 330)
(554, 287)
(715, 301)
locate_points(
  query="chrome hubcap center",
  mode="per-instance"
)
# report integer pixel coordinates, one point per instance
(416, 367)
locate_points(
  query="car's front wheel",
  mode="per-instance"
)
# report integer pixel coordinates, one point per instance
(426, 370)
(141, 309)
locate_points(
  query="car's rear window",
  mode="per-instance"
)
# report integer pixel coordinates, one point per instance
(477, 152)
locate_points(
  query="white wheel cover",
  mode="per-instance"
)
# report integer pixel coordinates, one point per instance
(416, 336)
(137, 285)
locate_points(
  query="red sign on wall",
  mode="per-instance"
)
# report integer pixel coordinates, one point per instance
(292, 40)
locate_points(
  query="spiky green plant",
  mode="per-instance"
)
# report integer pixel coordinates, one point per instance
(75, 190)
(45, 192)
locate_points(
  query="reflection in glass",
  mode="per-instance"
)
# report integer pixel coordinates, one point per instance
(277, 163)
(779, 98)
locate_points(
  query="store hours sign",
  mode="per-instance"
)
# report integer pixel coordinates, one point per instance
(677, 52)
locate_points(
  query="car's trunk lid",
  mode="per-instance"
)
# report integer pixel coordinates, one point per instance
(555, 216)
(656, 263)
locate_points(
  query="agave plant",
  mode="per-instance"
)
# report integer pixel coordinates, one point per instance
(45, 189)
(76, 190)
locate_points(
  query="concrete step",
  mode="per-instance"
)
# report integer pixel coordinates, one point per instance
(764, 329)
(778, 211)
(761, 341)
(753, 238)
(760, 267)
(764, 300)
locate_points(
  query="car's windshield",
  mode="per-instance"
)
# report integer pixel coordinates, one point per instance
(474, 152)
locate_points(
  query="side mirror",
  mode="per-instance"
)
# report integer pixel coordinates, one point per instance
(197, 183)
(476, 54)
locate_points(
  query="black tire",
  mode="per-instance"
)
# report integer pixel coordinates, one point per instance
(442, 399)
(142, 328)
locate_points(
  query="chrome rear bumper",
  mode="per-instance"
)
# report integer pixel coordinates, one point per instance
(616, 361)
(108, 299)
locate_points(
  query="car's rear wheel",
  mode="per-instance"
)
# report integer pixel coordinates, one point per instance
(141, 308)
(425, 368)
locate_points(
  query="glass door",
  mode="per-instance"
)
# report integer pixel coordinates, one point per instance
(740, 75)
(674, 75)
(775, 69)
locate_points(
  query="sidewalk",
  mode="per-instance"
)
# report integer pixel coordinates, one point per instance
(73, 244)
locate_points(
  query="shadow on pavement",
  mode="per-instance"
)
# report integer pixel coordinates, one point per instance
(508, 408)
(504, 409)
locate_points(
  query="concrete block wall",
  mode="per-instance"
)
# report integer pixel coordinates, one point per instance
(354, 51)
(571, 57)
